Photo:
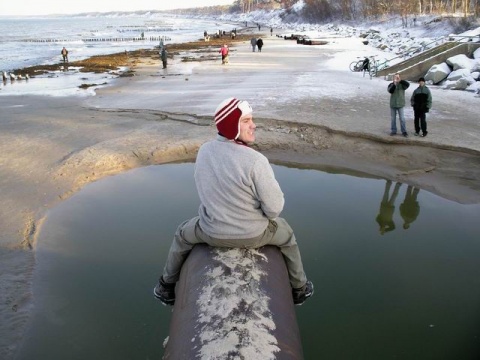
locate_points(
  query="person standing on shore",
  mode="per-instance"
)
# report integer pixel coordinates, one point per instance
(224, 51)
(271, 31)
(164, 56)
(64, 54)
(253, 42)
(421, 102)
(259, 44)
(240, 201)
(397, 103)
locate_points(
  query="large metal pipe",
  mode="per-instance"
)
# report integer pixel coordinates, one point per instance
(234, 304)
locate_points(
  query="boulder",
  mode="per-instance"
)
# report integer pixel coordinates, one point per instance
(475, 65)
(459, 74)
(475, 87)
(460, 84)
(476, 54)
(437, 73)
(460, 61)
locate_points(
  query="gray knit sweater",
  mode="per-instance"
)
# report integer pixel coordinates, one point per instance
(237, 189)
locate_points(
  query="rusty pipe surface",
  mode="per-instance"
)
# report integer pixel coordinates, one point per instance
(234, 303)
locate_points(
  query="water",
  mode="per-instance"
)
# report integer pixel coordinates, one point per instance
(19, 46)
(407, 294)
(17, 49)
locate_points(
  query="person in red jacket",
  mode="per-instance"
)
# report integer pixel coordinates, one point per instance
(224, 51)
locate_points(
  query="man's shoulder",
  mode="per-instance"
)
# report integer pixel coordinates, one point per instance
(227, 147)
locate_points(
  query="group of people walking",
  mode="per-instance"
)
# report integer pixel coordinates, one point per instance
(421, 101)
(256, 43)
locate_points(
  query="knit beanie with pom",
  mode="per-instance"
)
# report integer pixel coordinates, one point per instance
(227, 116)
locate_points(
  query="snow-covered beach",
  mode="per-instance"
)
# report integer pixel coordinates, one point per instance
(93, 34)
(310, 108)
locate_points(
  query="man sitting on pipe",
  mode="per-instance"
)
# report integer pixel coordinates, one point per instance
(240, 201)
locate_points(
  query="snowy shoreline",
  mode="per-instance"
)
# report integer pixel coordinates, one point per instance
(387, 40)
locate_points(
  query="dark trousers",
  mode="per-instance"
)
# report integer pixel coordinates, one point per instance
(420, 121)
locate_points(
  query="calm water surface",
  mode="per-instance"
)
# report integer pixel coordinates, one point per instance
(409, 293)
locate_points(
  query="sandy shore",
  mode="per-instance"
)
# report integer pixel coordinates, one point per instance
(306, 111)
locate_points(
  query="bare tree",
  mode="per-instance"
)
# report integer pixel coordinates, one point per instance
(466, 7)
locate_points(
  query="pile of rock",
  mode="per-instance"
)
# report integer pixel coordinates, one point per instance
(458, 72)
(400, 42)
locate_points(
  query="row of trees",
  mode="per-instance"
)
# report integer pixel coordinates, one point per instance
(351, 9)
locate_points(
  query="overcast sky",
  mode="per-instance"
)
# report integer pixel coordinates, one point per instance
(44, 7)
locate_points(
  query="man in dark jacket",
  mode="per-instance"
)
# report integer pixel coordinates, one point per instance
(64, 53)
(259, 44)
(164, 57)
(421, 101)
(397, 103)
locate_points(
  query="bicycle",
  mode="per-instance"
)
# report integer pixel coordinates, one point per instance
(376, 66)
(362, 64)
(359, 65)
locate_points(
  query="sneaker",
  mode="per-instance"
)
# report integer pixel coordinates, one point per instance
(405, 134)
(165, 292)
(425, 134)
(303, 293)
(392, 134)
(417, 134)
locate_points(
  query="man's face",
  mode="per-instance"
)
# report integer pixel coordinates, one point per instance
(396, 78)
(421, 83)
(247, 129)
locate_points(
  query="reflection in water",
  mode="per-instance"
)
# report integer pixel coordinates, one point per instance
(410, 207)
(387, 208)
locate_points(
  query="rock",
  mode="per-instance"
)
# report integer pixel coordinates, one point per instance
(475, 87)
(459, 74)
(475, 65)
(460, 61)
(460, 84)
(476, 54)
(438, 73)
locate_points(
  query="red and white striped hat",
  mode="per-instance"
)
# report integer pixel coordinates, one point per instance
(227, 117)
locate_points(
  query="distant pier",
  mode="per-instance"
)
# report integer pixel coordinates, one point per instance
(100, 39)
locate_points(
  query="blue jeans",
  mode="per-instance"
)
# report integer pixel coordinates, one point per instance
(277, 233)
(393, 113)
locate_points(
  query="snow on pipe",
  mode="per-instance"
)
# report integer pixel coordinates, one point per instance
(234, 303)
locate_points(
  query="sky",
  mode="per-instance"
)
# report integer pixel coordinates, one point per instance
(45, 7)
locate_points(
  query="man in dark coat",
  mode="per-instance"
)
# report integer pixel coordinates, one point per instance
(164, 57)
(259, 44)
(421, 101)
